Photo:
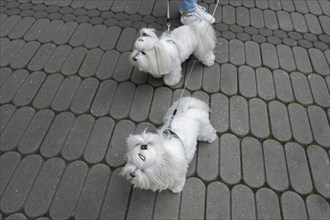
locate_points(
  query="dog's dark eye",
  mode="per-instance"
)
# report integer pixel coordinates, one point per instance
(144, 53)
(145, 35)
(144, 147)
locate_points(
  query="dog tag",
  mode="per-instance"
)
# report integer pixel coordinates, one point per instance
(142, 157)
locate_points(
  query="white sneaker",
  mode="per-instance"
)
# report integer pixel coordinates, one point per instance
(200, 13)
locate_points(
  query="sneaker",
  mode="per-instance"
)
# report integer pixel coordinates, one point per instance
(200, 13)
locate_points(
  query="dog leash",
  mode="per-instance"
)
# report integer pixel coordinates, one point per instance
(168, 17)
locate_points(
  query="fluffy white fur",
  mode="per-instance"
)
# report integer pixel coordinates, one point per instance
(163, 161)
(163, 56)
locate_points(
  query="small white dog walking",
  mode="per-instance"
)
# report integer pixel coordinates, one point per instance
(160, 161)
(162, 57)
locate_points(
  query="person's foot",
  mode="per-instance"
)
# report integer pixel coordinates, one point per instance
(200, 13)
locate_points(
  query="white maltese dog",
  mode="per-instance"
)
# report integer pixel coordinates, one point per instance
(160, 161)
(163, 56)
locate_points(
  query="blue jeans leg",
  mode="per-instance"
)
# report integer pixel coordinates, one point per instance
(187, 6)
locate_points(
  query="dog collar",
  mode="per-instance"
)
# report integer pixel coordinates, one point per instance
(169, 133)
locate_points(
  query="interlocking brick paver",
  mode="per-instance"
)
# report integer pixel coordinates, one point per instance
(239, 115)
(218, 201)
(320, 125)
(6, 112)
(12, 84)
(41, 196)
(35, 132)
(275, 165)
(293, 206)
(110, 38)
(65, 32)
(107, 64)
(270, 18)
(78, 137)
(243, 203)
(317, 207)
(8, 24)
(35, 30)
(40, 58)
(167, 205)
(20, 184)
(117, 147)
(11, 50)
(29, 88)
(80, 34)
(247, 81)
(57, 59)
(196, 76)
(160, 104)
(193, 199)
(230, 164)
(228, 79)
(123, 68)
(302, 60)
(252, 162)
(279, 121)
(74, 60)
(116, 198)
(8, 162)
(126, 39)
(147, 198)
(300, 178)
(104, 98)
(95, 36)
(319, 90)
(16, 216)
(313, 24)
(301, 129)
(47, 91)
(49, 32)
(219, 115)
(269, 56)
(325, 7)
(56, 135)
(252, 51)
(141, 103)
(259, 118)
(283, 86)
(207, 160)
(228, 14)
(221, 51)
(236, 52)
(299, 23)
(122, 100)
(300, 6)
(284, 20)
(242, 16)
(4, 74)
(301, 89)
(69, 190)
(265, 84)
(23, 57)
(21, 28)
(319, 61)
(286, 58)
(267, 204)
(211, 78)
(324, 21)
(4, 42)
(93, 192)
(256, 18)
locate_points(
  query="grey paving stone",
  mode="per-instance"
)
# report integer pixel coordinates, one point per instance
(242, 16)
(113, 22)
(267, 203)
(68, 17)
(265, 32)
(243, 37)
(300, 6)
(196, 76)
(310, 37)
(283, 86)
(44, 188)
(302, 60)
(324, 21)
(40, 58)
(319, 90)
(35, 132)
(4, 42)
(219, 114)
(159, 106)
(314, 7)
(25, 54)
(123, 69)
(299, 174)
(21, 27)
(259, 118)
(117, 148)
(122, 100)
(320, 125)
(145, 8)
(141, 103)
(247, 81)
(65, 32)
(13, 83)
(65, 93)
(275, 165)
(6, 112)
(256, 18)
(319, 61)
(16, 216)
(99, 140)
(290, 42)
(228, 80)
(313, 24)
(95, 36)
(299, 123)
(89, 66)
(280, 34)
(9, 162)
(110, 38)
(8, 24)
(211, 78)
(325, 7)
(301, 88)
(69, 190)
(228, 35)
(167, 205)
(78, 137)
(29, 89)
(193, 199)
(239, 115)
(116, 198)
(221, 51)
(47, 91)
(80, 34)
(284, 20)
(243, 203)
(218, 201)
(57, 133)
(52, 8)
(4, 74)
(207, 160)
(265, 84)
(222, 27)
(93, 192)
(317, 207)
(228, 14)
(287, 5)
(20, 184)
(269, 56)
(135, 210)
(299, 23)
(279, 121)
(11, 49)
(49, 32)
(54, 16)
(126, 39)
(230, 164)
(295, 35)
(321, 45)
(57, 59)
(107, 64)
(286, 58)
(73, 61)
(103, 98)
(271, 20)
(252, 52)
(252, 162)
(293, 206)
(258, 38)
(236, 52)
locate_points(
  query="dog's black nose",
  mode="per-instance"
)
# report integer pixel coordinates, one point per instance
(134, 59)
(132, 174)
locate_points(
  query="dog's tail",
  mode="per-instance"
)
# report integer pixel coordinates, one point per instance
(205, 35)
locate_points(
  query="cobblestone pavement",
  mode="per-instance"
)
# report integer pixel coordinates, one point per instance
(69, 98)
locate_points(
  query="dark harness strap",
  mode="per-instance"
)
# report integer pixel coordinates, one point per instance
(169, 133)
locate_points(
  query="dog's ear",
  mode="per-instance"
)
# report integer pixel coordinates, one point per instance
(148, 32)
(132, 141)
(163, 60)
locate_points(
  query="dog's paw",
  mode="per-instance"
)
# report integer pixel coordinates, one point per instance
(209, 60)
(212, 137)
(176, 189)
(171, 80)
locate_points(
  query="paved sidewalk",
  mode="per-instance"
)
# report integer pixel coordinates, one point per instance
(69, 98)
